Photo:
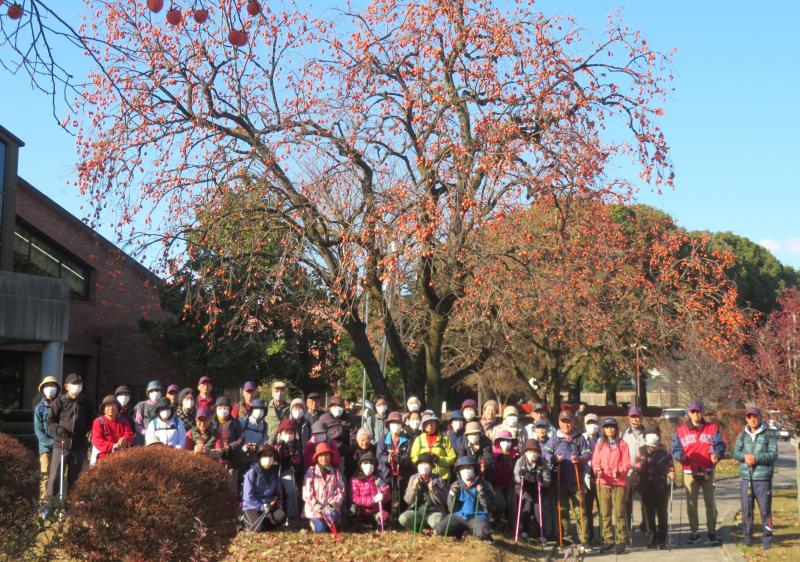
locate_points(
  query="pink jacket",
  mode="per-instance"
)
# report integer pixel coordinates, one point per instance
(607, 458)
(363, 492)
(322, 491)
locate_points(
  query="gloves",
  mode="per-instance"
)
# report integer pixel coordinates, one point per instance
(378, 497)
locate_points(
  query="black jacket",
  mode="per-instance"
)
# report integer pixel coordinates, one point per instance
(70, 421)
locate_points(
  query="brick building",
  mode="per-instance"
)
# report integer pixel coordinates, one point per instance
(109, 292)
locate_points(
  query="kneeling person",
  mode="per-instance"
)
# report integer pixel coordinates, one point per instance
(368, 492)
(470, 502)
(262, 498)
(426, 496)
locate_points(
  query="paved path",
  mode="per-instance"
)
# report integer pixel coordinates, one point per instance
(727, 496)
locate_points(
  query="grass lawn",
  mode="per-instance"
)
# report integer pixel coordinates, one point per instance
(786, 542)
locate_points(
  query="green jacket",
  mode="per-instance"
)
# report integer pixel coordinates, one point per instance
(442, 451)
(763, 444)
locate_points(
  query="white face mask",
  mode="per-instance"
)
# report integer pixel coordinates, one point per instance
(414, 424)
(467, 475)
(223, 413)
(424, 469)
(188, 404)
(154, 395)
(49, 391)
(367, 468)
(297, 413)
(287, 437)
(505, 446)
(164, 414)
(279, 396)
(395, 428)
(123, 399)
(266, 462)
(257, 414)
(469, 414)
(651, 439)
(592, 428)
(474, 438)
(75, 388)
(512, 421)
(413, 407)
(532, 456)
(382, 409)
(336, 411)
(457, 425)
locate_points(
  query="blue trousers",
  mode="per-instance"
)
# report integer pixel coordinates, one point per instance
(762, 494)
(319, 524)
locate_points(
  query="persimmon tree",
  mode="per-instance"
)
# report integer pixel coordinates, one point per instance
(378, 141)
(564, 285)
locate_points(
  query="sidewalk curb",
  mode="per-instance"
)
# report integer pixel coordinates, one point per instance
(729, 550)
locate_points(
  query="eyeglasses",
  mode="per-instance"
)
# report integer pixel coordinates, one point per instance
(748, 416)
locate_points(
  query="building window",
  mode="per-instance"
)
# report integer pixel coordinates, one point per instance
(34, 255)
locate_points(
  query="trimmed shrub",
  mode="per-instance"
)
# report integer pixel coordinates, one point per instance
(19, 490)
(153, 503)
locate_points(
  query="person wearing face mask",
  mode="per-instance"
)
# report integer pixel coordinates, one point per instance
(166, 428)
(367, 490)
(48, 390)
(262, 493)
(491, 409)
(109, 432)
(413, 425)
(433, 441)
(469, 501)
(479, 448)
(634, 438)
(610, 464)
(277, 408)
(186, 410)
(323, 491)
(145, 411)
(413, 404)
(656, 471)
(290, 459)
(375, 421)
(393, 460)
(456, 431)
(363, 446)
(249, 389)
(319, 434)
(229, 432)
(504, 457)
(532, 475)
(125, 407)
(510, 423)
(469, 408)
(313, 411)
(254, 434)
(591, 434)
(69, 422)
(297, 413)
(427, 492)
(202, 438)
(341, 430)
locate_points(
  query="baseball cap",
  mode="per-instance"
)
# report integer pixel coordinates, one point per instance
(696, 405)
(249, 386)
(634, 411)
(753, 411)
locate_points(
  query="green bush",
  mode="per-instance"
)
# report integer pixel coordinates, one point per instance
(19, 487)
(152, 503)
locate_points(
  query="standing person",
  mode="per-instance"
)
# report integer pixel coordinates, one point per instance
(248, 395)
(229, 433)
(591, 434)
(394, 461)
(539, 413)
(456, 431)
(319, 434)
(166, 428)
(69, 422)
(698, 446)
(470, 501)
(48, 390)
(510, 423)
(469, 408)
(110, 432)
(541, 427)
(172, 395)
(611, 462)
(756, 449)
(323, 490)
(277, 408)
(186, 411)
(290, 461)
(297, 413)
(433, 441)
(491, 409)
(202, 438)
(375, 422)
(125, 408)
(205, 396)
(568, 452)
(145, 411)
(313, 411)
(479, 448)
(367, 491)
(580, 414)
(505, 455)
(254, 434)
(656, 471)
(425, 496)
(634, 438)
(532, 475)
(413, 425)
(262, 493)
(413, 404)
(341, 430)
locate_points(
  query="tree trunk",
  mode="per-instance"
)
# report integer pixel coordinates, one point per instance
(611, 395)
(642, 391)
(433, 361)
(362, 350)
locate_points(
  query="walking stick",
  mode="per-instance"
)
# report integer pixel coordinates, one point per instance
(380, 513)
(329, 522)
(416, 503)
(680, 516)
(558, 502)
(424, 516)
(597, 487)
(580, 502)
(669, 523)
(475, 512)
(61, 491)
(541, 523)
(519, 508)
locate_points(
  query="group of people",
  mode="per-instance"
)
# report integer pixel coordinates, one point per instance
(479, 469)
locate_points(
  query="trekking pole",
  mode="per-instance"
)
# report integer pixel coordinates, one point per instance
(680, 516)
(558, 505)
(450, 515)
(475, 512)
(541, 522)
(599, 508)
(669, 521)
(580, 502)
(519, 508)
(424, 516)
(380, 513)
(416, 503)
(329, 522)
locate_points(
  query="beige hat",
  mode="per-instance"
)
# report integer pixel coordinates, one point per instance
(510, 411)
(49, 380)
(278, 384)
(473, 427)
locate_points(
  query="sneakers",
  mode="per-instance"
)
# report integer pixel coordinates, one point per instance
(713, 540)
(694, 538)
(748, 541)
(766, 545)
(523, 536)
(653, 544)
(621, 548)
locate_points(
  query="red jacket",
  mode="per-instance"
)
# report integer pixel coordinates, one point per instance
(606, 459)
(692, 446)
(106, 433)
(363, 492)
(504, 468)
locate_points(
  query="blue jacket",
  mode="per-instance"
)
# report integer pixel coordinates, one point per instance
(40, 426)
(763, 444)
(404, 465)
(261, 486)
(566, 446)
(468, 502)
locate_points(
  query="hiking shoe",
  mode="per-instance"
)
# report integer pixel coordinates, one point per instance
(523, 536)
(694, 538)
(766, 546)
(748, 542)
(620, 549)
(652, 544)
(605, 547)
(713, 540)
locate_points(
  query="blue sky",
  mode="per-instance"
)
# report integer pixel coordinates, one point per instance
(732, 123)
